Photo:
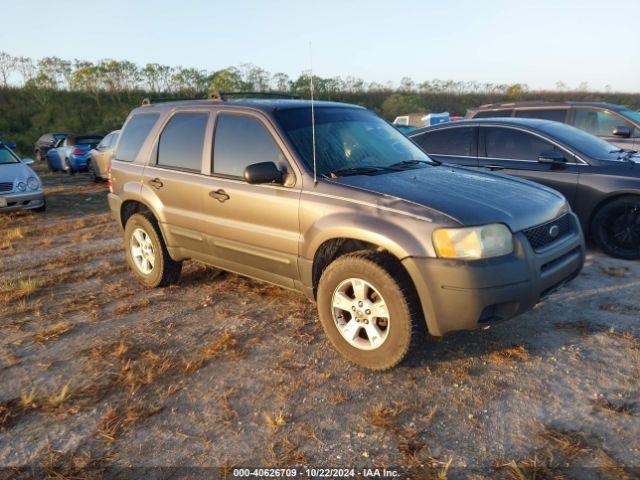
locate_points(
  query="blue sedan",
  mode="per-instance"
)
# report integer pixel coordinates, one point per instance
(71, 153)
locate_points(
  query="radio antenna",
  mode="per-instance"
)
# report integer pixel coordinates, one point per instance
(313, 119)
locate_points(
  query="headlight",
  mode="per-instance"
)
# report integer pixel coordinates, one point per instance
(473, 242)
(33, 183)
(21, 186)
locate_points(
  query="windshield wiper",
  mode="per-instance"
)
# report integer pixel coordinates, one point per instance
(343, 172)
(409, 163)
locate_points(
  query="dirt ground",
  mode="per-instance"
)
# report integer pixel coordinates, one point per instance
(99, 377)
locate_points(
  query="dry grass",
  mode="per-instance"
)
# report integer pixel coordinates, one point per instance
(131, 306)
(117, 419)
(620, 407)
(626, 309)
(509, 355)
(274, 421)
(386, 416)
(14, 290)
(581, 327)
(143, 370)
(52, 332)
(616, 272)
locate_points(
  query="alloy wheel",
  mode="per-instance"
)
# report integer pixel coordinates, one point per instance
(142, 251)
(360, 314)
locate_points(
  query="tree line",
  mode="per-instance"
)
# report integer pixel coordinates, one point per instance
(51, 93)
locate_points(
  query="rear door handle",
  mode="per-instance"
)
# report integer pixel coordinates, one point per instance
(494, 167)
(156, 183)
(219, 195)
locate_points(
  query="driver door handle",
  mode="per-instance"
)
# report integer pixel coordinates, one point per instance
(156, 183)
(494, 167)
(219, 195)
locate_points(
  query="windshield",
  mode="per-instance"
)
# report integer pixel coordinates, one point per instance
(582, 141)
(6, 156)
(58, 136)
(347, 138)
(631, 114)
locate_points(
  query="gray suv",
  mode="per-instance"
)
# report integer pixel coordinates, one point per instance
(346, 210)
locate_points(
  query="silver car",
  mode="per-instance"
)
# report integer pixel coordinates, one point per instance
(101, 156)
(20, 186)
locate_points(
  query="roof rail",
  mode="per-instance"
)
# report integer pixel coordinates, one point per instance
(256, 94)
(151, 101)
(217, 96)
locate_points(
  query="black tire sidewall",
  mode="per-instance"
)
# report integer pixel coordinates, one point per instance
(599, 236)
(154, 278)
(395, 347)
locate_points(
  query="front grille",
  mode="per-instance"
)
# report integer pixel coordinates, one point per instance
(540, 236)
(6, 186)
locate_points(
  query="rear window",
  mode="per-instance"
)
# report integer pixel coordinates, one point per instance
(134, 135)
(448, 141)
(93, 141)
(182, 141)
(553, 114)
(493, 114)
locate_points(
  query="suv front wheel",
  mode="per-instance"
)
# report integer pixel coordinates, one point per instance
(147, 254)
(368, 309)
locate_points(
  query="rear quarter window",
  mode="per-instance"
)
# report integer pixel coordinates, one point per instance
(134, 134)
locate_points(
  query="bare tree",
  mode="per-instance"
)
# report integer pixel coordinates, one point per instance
(7, 67)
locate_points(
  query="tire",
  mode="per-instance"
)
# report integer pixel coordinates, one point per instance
(381, 273)
(165, 271)
(69, 170)
(92, 172)
(615, 228)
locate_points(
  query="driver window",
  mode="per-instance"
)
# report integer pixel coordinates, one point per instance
(240, 141)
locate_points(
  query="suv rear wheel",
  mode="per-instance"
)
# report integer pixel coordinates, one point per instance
(147, 254)
(616, 228)
(368, 309)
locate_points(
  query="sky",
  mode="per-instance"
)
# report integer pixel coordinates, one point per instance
(538, 43)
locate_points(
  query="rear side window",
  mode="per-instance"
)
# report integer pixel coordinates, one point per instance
(134, 135)
(554, 114)
(493, 114)
(182, 140)
(448, 141)
(505, 143)
(241, 141)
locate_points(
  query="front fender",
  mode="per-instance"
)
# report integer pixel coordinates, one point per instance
(412, 239)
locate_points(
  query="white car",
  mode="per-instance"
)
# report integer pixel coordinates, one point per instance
(20, 186)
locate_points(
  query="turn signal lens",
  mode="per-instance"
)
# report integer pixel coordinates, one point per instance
(473, 242)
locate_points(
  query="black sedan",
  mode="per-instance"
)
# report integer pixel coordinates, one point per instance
(600, 181)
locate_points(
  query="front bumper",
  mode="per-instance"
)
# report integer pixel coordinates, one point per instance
(462, 295)
(22, 201)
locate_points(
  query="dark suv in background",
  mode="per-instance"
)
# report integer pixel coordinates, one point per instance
(614, 123)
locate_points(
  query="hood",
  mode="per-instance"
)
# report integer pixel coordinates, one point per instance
(471, 197)
(11, 172)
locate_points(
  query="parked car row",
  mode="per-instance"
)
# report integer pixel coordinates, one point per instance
(20, 186)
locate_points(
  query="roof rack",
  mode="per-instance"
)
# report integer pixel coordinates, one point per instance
(217, 96)
(222, 95)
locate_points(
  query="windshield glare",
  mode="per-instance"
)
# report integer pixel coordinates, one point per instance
(582, 141)
(7, 157)
(346, 138)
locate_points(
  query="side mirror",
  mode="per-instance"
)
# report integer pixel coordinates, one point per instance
(27, 161)
(263, 172)
(622, 131)
(552, 157)
(11, 145)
